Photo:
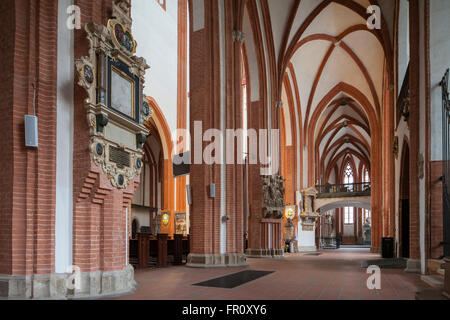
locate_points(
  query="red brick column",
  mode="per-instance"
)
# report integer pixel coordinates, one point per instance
(414, 74)
(205, 82)
(28, 181)
(99, 215)
(7, 25)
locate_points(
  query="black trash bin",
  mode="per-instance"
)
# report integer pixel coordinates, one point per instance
(338, 242)
(387, 248)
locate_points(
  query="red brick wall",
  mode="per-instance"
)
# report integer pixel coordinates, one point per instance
(414, 126)
(99, 225)
(28, 201)
(7, 21)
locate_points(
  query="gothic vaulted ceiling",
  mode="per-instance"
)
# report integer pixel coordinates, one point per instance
(332, 74)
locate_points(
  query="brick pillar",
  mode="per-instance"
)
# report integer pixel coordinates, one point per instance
(29, 52)
(214, 87)
(99, 213)
(7, 24)
(414, 74)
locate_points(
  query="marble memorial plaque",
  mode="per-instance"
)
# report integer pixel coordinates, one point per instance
(122, 90)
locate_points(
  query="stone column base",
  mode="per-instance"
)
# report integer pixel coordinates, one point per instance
(307, 249)
(88, 285)
(216, 260)
(265, 253)
(413, 266)
(447, 278)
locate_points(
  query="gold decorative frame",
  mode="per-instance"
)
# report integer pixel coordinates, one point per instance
(112, 26)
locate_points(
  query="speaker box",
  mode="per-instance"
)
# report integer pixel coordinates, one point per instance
(212, 190)
(31, 131)
(188, 194)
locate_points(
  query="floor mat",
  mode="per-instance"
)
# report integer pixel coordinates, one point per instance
(234, 280)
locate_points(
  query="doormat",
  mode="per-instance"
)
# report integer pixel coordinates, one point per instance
(312, 254)
(234, 280)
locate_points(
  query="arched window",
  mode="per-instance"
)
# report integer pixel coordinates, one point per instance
(366, 175)
(348, 179)
(366, 179)
(348, 174)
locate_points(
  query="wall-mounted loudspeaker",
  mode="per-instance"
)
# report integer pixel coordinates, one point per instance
(212, 190)
(31, 131)
(188, 194)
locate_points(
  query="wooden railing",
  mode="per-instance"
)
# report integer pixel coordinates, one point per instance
(149, 251)
(344, 190)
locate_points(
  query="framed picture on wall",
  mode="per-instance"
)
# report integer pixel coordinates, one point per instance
(180, 224)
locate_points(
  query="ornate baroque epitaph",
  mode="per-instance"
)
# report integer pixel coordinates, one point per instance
(113, 78)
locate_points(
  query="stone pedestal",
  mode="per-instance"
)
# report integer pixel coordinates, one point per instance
(306, 238)
(95, 284)
(447, 278)
(217, 260)
(413, 266)
(265, 229)
(307, 224)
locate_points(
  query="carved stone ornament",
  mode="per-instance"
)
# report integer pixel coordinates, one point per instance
(147, 110)
(116, 124)
(308, 214)
(395, 147)
(273, 197)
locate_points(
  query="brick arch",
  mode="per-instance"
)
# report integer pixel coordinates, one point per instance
(382, 35)
(376, 147)
(334, 161)
(325, 60)
(364, 102)
(339, 144)
(161, 130)
(337, 127)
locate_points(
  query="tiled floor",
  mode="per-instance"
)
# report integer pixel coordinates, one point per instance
(334, 275)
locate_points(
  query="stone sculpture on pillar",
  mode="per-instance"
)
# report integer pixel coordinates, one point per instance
(308, 219)
(308, 214)
(273, 197)
(367, 232)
